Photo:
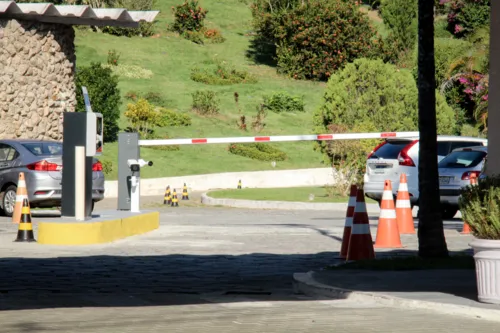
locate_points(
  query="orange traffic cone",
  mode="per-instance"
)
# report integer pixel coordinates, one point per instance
(348, 221)
(21, 194)
(25, 231)
(404, 214)
(360, 243)
(466, 227)
(387, 231)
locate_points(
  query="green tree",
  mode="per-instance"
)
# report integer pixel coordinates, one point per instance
(377, 96)
(315, 38)
(431, 241)
(401, 17)
(104, 96)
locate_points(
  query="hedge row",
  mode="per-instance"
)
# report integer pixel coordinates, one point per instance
(258, 151)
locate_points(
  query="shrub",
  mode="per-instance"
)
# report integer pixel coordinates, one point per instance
(188, 16)
(258, 151)
(113, 57)
(193, 36)
(213, 35)
(480, 207)
(107, 167)
(104, 95)
(172, 118)
(205, 102)
(375, 95)
(401, 18)
(222, 74)
(143, 117)
(466, 16)
(258, 123)
(317, 38)
(152, 97)
(284, 102)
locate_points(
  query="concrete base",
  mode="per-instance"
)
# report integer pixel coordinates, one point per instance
(104, 227)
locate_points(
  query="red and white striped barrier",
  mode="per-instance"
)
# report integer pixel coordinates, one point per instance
(281, 138)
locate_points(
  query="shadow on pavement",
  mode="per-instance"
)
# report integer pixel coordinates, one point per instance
(125, 281)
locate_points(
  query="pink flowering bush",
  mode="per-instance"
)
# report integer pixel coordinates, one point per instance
(465, 16)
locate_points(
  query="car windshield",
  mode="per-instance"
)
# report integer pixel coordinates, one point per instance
(462, 159)
(390, 150)
(44, 148)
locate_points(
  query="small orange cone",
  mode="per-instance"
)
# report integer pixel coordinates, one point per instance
(466, 227)
(348, 221)
(404, 214)
(360, 243)
(21, 194)
(387, 231)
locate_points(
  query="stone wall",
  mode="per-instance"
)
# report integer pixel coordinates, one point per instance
(37, 67)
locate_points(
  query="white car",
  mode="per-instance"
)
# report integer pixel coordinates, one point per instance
(395, 156)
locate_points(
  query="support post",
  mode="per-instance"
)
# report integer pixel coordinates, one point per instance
(493, 161)
(128, 149)
(75, 134)
(80, 183)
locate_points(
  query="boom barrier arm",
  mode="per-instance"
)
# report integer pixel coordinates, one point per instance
(282, 138)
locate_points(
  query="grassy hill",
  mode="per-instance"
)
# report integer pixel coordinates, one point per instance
(171, 59)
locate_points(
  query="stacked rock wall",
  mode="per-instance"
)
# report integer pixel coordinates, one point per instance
(37, 67)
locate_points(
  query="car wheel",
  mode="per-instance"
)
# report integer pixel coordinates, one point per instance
(448, 213)
(9, 200)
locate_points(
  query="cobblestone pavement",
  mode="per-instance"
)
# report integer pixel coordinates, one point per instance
(195, 270)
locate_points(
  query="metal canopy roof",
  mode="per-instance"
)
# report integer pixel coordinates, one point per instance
(74, 15)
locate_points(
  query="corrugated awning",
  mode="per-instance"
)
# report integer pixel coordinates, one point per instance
(74, 15)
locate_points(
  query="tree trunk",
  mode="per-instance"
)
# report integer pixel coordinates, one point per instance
(431, 241)
(493, 161)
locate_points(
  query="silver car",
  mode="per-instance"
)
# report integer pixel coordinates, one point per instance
(41, 162)
(455, 171)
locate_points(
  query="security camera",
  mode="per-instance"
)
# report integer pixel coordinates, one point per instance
(136, 165)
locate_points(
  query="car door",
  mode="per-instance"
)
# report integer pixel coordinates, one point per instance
(8, 156)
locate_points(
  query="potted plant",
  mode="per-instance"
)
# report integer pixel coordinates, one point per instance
(480, 207)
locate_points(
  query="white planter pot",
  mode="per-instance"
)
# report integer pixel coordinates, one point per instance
(487, 258)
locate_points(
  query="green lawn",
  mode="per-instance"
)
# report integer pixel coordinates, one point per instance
(296, 194)
(171, 59)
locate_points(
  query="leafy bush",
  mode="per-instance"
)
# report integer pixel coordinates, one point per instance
(258, 151)
(371, 94)
(107, 167)
(205, 102)
(131, 71)
(480, 207)
(446, 51)
(284, 102)
(143, 117)
(113, 57)
(193, 36)
(258, 123)
(188, 16)
(222, 74)
(104, 96)
(317, 38)
(213, 35)
(401, 17)
(172, 118)
(465, 16)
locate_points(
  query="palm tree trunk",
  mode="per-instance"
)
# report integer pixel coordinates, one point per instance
(431, 241)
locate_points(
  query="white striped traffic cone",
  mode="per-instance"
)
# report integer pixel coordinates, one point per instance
(387, 230)
(348, 222)
(361, 243)
(21, 194)
(404, 214)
